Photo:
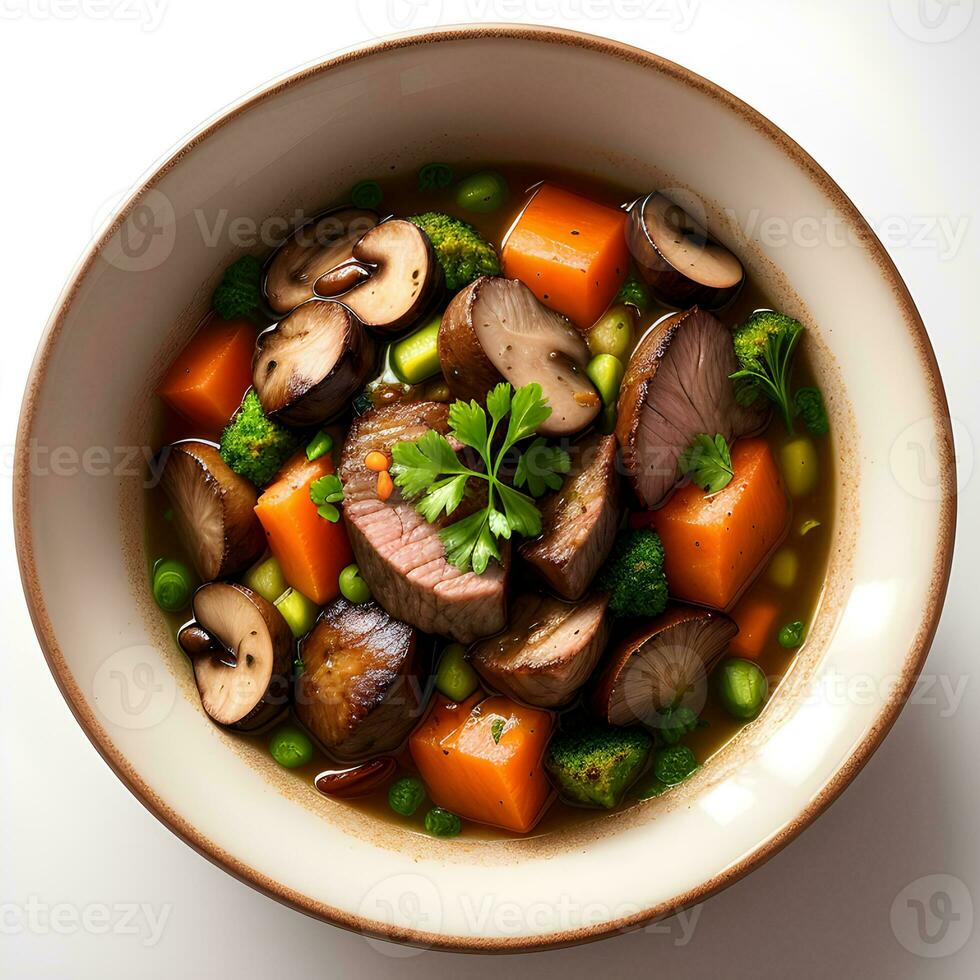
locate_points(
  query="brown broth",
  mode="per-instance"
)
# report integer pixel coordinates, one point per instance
(402, 197)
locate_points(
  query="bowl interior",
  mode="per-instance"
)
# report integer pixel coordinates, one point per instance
(591, 106)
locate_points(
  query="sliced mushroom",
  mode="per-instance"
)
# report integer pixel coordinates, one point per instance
(677, 258)
(309, 366)
(405, 277)
(242, 673)
(313, 254)
(213, 509)
(360, 692)
(496, 329)
(547, 652)
(678, 385)
(665, 663)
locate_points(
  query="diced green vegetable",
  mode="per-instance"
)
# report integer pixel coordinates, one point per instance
(405, 795)
(460, 250)
(442, 823)
(783, 568)
(435, 177)
(606, 373)
(173, 584)
(674, 764)
(299, 612)
(807, 526)
(742, 688)
(635, 293)
(366, 194)
(291, 747)
(239, 291)
(791, 635)
(798, 461)
(675, 723)
(253, 445)
(265, 577)
(634, 574)
(415, 358)
(764, 346)
(352, 586)
(455, 678)
(482, 193)
(319, 445)
(597, 764)
(809, 406)
(613, 333)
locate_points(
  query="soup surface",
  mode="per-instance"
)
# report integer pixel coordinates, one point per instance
(771, 595)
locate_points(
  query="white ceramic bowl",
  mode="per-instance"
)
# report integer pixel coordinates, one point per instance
(595, 106)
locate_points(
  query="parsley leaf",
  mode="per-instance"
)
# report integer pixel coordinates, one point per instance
(326, 493)
(429, 469)
(497, 729)
(541, 467)
(708, 462)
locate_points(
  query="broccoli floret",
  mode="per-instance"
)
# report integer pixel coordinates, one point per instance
(253, 445)
(238, 292)
(764, 346)
(595, 764)
(674, 764)
(634, 293)
(809, 406)
(462, 253)
(634, 574)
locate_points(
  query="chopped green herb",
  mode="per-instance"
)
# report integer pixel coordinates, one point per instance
(435, 177)
(366, 194)
(673, 765)
(326, 492)
(429, 468)
(807, 526)
(497, 729)
(708, 462)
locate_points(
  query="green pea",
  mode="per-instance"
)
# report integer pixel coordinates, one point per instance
(455, 677)
(266, 578)
(366, 194)
(442, 823)
(742, 688)
(784, 568)
(613, 333)
(405, 795)
(353, 587)
(482, 193)
(299, 612)
(435, 177)
(798, 459)
(320, 445)
(173, 584)
(673, 765)
(291, 747)
(791, 635)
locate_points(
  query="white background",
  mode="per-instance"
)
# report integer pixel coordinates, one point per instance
(91, 93)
